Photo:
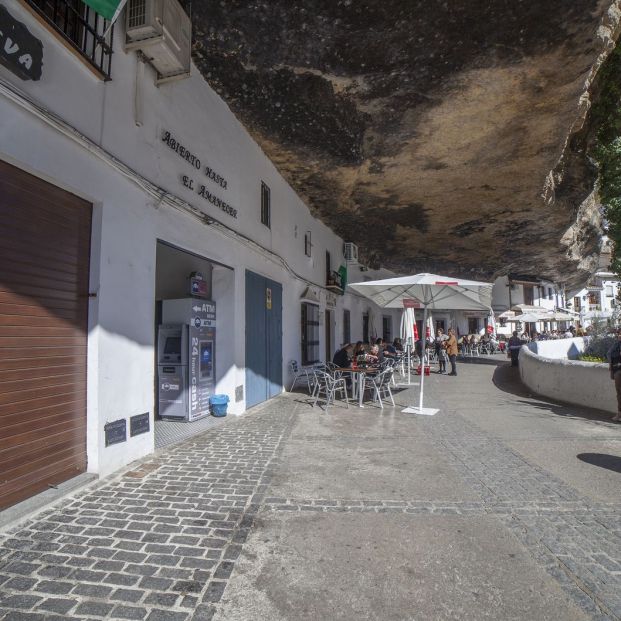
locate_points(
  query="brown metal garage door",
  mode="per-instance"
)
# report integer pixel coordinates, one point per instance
(44, 267)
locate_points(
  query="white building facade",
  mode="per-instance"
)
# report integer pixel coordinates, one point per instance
(514, 295)
(115, 191)
(597, 301)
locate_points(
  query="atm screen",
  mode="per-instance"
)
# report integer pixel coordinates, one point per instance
(172, 346)
(206, 359)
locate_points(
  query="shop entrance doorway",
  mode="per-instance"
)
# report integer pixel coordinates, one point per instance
(193, 341)
(263, 338)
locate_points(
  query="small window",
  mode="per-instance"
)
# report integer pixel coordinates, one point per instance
(346, 326)
(577, 304)
(308, 244)
(266, 207)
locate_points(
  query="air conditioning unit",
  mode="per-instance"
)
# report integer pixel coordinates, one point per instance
(162, 31)
(350, 252)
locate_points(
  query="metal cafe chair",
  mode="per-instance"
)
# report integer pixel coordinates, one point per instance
(329, 386)
(380, 384)
(300, 373)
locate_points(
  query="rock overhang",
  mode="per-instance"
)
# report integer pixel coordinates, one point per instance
(445, 137)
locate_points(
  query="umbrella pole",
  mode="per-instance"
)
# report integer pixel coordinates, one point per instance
(420, 409)
(422, 363)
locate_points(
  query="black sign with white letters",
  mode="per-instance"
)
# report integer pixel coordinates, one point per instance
(20, 52)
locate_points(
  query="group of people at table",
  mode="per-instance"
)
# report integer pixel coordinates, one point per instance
(352, 356)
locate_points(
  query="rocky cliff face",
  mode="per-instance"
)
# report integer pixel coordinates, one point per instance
(439, 136)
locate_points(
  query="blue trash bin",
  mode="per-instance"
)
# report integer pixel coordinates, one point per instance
(218, 404)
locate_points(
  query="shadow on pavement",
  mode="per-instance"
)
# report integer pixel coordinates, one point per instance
(495, 360)
(507, 379)
(609, 462)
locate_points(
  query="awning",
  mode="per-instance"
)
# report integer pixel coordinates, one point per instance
(309, 295)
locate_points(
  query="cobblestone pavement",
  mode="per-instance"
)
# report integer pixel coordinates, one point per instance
(160, 542)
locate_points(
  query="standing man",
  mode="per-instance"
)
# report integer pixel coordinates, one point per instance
(515, 343)
(614, 361)
(451, 350)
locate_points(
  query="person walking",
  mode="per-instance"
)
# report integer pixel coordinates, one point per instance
(450, 345)
(614, 362)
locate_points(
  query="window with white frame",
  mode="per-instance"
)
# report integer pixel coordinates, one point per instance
(386, 329)
(310, 333)
(346, 326)
(308, 244)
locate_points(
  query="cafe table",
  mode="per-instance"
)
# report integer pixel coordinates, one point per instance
(357, 385)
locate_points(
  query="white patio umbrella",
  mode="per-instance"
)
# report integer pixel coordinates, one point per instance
(430, 292)
(528, 318)
(408, 318)
(430, 327)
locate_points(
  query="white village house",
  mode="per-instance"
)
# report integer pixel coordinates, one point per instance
(123, 190)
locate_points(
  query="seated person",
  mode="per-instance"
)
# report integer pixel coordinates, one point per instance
(342, 358)
(390, 350)
(359, 349)
(381, 346)
(398, 345)
(373, 355)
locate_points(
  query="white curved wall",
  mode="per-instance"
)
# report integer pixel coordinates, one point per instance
(550, 374)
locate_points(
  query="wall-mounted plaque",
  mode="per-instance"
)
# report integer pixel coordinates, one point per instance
(116, 432)
(139, 424)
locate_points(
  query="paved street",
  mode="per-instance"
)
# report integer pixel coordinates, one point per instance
(502, 506)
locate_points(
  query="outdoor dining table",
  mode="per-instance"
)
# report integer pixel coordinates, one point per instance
(358, 374)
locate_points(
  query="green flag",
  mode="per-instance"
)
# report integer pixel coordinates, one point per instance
(109, 9)
(343, 275)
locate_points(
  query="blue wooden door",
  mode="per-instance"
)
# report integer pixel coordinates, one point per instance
(263, 338)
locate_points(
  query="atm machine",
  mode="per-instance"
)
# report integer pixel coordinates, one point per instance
(186, 349)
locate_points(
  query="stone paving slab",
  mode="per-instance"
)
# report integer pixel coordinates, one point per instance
(367, 467)
(392, 567)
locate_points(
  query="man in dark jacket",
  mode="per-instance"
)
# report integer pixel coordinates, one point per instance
(514, 345)
(614, 362)
(342, 358)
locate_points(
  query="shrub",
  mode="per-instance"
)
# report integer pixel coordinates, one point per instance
(586, 358)
(598, 348)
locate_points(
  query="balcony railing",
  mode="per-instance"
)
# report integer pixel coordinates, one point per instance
(82, 28)
(334, 283)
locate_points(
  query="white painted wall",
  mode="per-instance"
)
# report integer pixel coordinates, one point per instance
(128, 220)
(549, 373)
(500, 295)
